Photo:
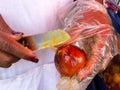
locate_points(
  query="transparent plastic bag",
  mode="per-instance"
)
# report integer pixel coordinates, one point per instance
(111, 75)
(91, 30)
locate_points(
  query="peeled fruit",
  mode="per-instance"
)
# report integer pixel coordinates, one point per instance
(69, 59)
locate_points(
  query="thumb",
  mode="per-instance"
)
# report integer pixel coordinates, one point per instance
(16, 35)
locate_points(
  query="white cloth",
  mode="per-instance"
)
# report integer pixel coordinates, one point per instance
(31, 17)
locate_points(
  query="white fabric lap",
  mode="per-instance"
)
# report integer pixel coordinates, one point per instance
(40, 78)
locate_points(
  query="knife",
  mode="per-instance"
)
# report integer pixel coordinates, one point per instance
(45, 40)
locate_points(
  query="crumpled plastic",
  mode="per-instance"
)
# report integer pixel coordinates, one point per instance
(90, 28)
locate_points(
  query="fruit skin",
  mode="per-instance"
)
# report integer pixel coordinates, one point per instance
(69, 59)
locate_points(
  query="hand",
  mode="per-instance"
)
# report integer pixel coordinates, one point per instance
(94, 35)
(10, 50)
(100, 48)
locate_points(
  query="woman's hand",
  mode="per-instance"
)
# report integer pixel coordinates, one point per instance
(10, 50)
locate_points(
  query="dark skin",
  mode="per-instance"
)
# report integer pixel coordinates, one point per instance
(10, 50)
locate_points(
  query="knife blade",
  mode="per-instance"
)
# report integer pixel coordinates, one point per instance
(45, 40)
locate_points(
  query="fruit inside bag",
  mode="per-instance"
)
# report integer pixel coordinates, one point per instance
(91, 31)
(111, 75)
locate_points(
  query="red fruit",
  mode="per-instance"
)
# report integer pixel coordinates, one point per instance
(69, 59)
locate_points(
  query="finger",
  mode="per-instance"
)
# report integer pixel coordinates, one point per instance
(86, 71)
(97, 58)
(16, 35)
(9, 45)
(7, 60)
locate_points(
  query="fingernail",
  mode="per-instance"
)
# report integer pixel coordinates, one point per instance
(15, 33)
(34, 59)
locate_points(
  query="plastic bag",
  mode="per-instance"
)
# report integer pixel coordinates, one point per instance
(91, 30)
(111, 75)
